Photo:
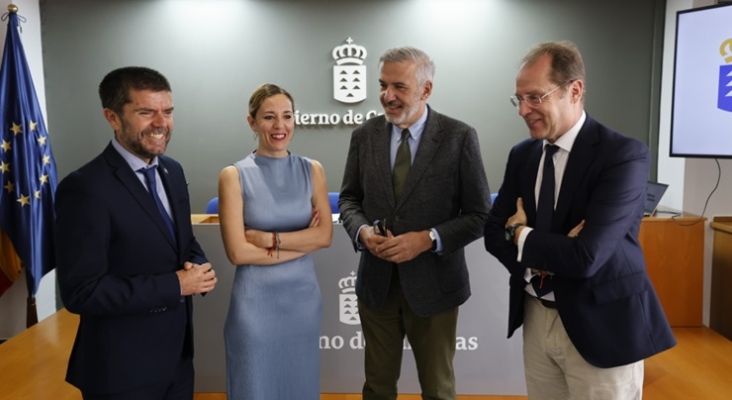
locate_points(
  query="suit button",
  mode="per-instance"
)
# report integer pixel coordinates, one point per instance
(182, 299)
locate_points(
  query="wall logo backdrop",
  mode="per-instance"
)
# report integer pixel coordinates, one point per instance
(349, 87)
(348, 304)
(349, 73)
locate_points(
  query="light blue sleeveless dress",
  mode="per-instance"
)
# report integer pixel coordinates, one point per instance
(273, 324)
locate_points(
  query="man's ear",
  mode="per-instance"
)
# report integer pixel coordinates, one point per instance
(427, 91)
(576, 90)
(115, 121)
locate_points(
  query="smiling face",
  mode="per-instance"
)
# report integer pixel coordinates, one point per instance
(145, 125)
(558, 111)
(404, 99)
(274, 124)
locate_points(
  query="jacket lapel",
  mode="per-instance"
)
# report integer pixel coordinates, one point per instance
(428, 145)
(580, 158)
(168, 183)
(131, 182)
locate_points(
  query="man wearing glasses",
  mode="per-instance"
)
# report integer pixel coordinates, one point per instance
(414, 194)
(565, 225)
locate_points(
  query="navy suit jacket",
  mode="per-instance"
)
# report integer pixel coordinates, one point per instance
(446, 189)
(603, 294)
(116, 268)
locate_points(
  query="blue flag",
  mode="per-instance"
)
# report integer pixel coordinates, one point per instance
(26, 164)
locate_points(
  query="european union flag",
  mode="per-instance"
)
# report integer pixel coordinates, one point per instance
(26, 164)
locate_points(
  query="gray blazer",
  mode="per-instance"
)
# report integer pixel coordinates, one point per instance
(446, 189)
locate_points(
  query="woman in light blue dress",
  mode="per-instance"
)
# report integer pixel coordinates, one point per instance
(274, 211)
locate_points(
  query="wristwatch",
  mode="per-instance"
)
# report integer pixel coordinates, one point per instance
(511, 231)
(433, 238)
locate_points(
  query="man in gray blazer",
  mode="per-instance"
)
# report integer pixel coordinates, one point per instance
(414, 194)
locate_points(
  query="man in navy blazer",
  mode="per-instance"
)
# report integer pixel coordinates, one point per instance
(412, 276)
(587, 337)
(128, 262)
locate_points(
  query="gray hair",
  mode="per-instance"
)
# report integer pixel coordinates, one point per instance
(425, 65)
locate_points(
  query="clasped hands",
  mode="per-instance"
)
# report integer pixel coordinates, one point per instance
(396, 249)
(196, 278)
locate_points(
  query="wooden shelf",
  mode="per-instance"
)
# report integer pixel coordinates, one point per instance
(720, 307)
(674, 249)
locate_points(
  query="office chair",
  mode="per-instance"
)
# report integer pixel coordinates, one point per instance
(213, 206)
(333, 199)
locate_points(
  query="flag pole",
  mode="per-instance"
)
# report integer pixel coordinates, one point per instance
(31, 310)
(31, 315)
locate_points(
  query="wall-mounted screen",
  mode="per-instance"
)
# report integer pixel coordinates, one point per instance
(701, 117)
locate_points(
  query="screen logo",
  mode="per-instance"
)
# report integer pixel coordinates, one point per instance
(349, 73)
(724, 96)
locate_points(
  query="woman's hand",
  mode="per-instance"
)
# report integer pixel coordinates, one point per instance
(315, 220)
(259, 238)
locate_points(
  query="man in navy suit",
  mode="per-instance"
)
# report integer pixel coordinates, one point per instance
(128, 262)
(412, 276)
(578, 282)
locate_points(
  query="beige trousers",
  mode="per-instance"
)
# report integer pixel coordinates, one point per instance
(555, 370)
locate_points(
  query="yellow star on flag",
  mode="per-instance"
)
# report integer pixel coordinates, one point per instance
(6, 146)
(24, 200)
(44, 178)
(38, 194)
(9, 187)
(16, 128)
(4, 167)
(42, 140)
(46, 159)
(33, 125)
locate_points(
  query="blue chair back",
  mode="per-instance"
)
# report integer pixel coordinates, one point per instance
(333, 199)
(213, 206)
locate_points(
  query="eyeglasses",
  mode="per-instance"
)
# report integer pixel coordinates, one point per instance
(380, 227)
(533, 100)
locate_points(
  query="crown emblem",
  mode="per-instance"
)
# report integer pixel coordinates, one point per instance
(349, 73)
(349, 53)
(348, 284)
(348, 304)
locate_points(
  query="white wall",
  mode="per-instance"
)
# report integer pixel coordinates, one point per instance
(13, 302)
(691, 181)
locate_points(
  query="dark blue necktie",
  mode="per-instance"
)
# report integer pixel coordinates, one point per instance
(542, 282)
(153, 189)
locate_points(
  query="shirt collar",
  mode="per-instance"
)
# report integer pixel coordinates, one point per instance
(132, 160)
(416, 129)
(566, 141)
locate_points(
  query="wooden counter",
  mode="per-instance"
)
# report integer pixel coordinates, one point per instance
(674, 251)
(33, 362)
(720, 304)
